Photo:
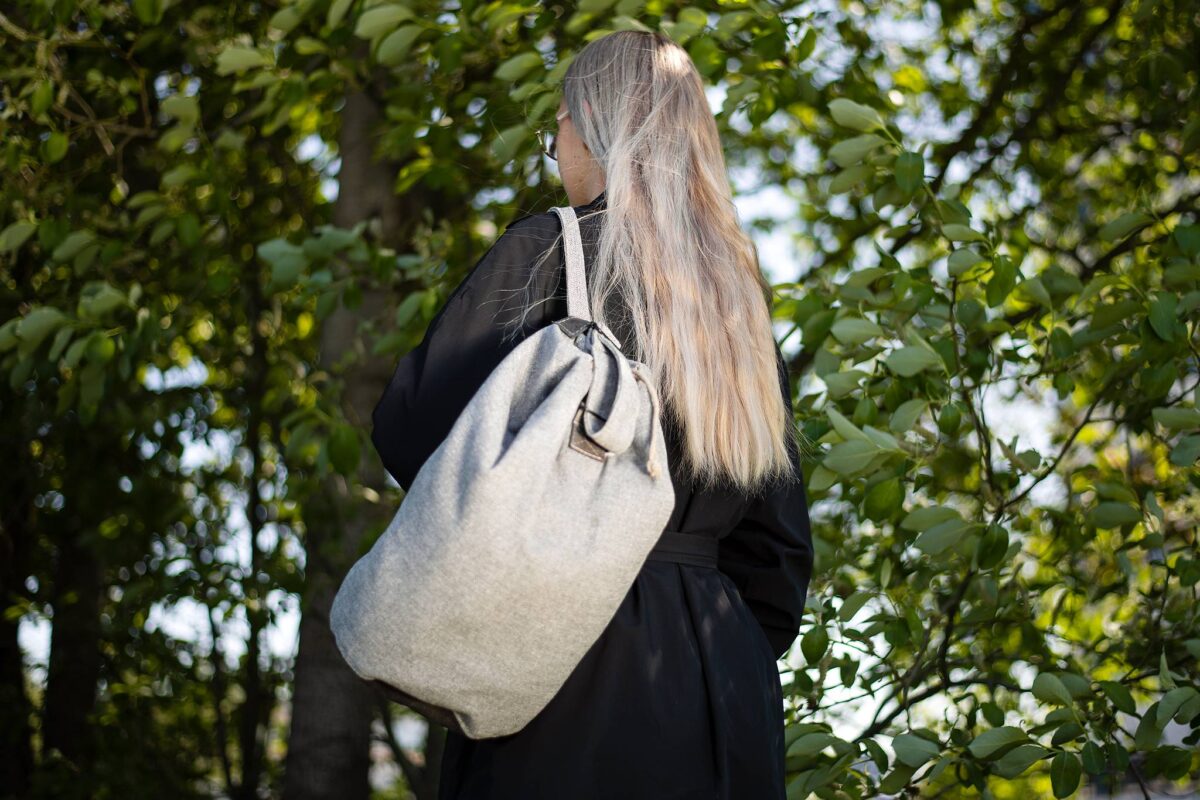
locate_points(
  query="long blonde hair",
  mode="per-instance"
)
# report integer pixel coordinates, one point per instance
(671, 247)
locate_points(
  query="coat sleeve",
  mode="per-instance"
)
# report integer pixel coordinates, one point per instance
(769, 553)
(466, 340)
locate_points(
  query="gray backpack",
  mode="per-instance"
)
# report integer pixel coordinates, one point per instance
(521, 534)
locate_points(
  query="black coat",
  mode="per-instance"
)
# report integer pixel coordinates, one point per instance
(680, 697)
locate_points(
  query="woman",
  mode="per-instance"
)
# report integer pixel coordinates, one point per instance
(680, 696)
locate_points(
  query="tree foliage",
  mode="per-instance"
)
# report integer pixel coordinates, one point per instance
(992, 334)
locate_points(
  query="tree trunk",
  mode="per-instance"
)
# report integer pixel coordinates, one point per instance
(332, 708)
(74, 653)
(16, 754)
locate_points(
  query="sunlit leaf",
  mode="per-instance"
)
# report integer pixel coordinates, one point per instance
(854, 115)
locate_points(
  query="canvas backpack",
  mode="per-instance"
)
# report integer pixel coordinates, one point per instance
(520, 535)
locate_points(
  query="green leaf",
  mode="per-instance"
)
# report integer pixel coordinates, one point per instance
(380, 20)
(847, 458)
(307, 46)
(848, 152)
(732, 22)
(509, 140)
(69, 247)
(855, 330)
(337, 12)
(236, 59)
(91, 389)
(1004, 277)
(1019, 759)
(329, 240)
(962, 260)
(882, 439)
(1111, 514)
(1165, 678)
(1172, 701)
(41, 98)
(850, 177)
(1048, 688)
(344, 449)
(61, 340)
(162, 231)
(852, 605)
(993, 546)
(688, 22)
(1177, 417)
(810, 744)
(906, 415)
(188, 228)
(16, 234)
(1093, 758)
(813, 644)
(148, 12)
(844, 427)
(854, 115)
(175, 138)
(913, 750)
(1123, 225)
(149, 214)
(878, 756)
(37, 325)
(285, 19)
(100, 349)
(1188, 237)
(1034, 288)
(1189, 711)
(8, 334)
(517, 67)
(941, 536)
(910, 171)
(395, 46)
(230, 140)
(185, 108)
(1065, 772)
(287, 261)
(993, 742)
(1162, 315)
(99, 299)
(1185, 453)
(992, 713)
(922, 519)
(408, 308)
(893, 783)
(883, 499)
(75, 352)
(1148, 733)
(54, 149)
(908, 361)
(1119, 695)
(962, 233)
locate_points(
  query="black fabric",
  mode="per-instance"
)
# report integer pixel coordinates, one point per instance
(680, 696)
(686, 548)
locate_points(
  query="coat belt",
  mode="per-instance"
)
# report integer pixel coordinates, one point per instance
(685, 548)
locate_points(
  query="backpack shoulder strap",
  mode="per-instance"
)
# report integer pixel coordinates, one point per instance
(578, 305)
(577, 298)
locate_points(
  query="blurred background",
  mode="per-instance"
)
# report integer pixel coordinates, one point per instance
(222, 224)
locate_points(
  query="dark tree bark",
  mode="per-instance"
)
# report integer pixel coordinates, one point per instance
(16, 755)
(74, 651)
(332, 708)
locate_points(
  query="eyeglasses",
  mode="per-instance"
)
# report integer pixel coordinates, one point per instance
(547, 139)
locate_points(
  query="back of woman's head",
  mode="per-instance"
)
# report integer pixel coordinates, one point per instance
(671, 246)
